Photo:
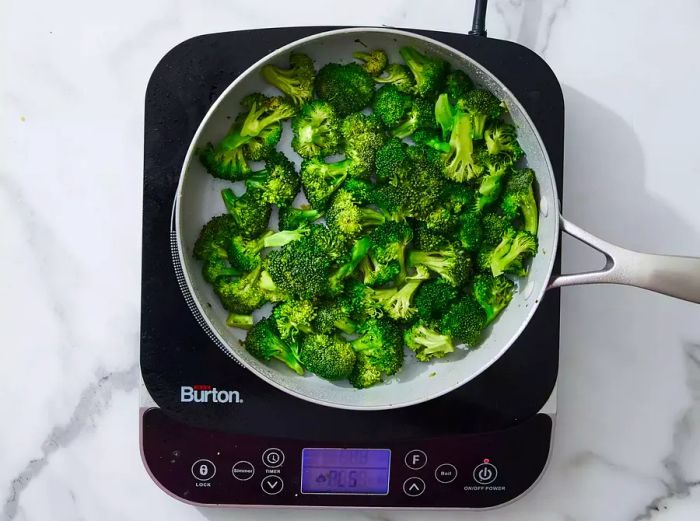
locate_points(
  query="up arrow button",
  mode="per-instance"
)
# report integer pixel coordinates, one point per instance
(413, 486)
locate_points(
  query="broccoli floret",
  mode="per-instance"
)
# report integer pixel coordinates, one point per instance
(316, 130)
(490, 186)
(263, 112)
(363, 136)
(376, 274)
(428, 72)
(508, 256)
(294, 316)
(263, 342)
(327, 356)
(228, 159)
(420, 114)
(380, 341)
(297, 82)
(389, 242)
(494, 227)
(242, 295)
(374, 62)
(442, 220)
(241, 321)
(519, 199)
(427, 343)
(391, 105)
(367, 301)
(278, 183)
(357, 253)
(245, 253)
(460, 164)
(392, 163)
(465, 321)
(349, 88)
(427, 239)
(300, 268)
(320, 179)
(214, 237)
(393, 201)
(333, 244)
(426, 188)
(452, 264)
(493, 294)
(347, 217)
(215, 268)
(259, 147)
(482, 106)
(364, 374)
(400, 76)
(461, 197)
(291, 218)
(501, 139)
(399, 305)
(457, 85)
(470, 231)
(360, 189)
(430, 137)
(335, 314)
(434, 298)
(249, 211)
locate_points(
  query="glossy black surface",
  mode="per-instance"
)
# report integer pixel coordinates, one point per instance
(176, 352)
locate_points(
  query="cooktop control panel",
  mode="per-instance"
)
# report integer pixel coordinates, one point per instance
(208, 467)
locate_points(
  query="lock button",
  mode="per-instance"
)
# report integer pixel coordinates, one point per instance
(203, 470)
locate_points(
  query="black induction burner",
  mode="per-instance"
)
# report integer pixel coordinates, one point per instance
(479, 446)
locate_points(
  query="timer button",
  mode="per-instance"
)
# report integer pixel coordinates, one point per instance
(203, 469)
(413, 486)
(416, 459)
(273, 458)
(243, 470)
(272, 485)
(446, 473)
(485, 473)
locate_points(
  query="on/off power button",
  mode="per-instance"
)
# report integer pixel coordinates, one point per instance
(485, 473)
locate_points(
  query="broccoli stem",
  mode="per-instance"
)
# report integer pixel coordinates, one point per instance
(230, 199)
(444, 115)
(478, 126)
(290, 359)
(240, 321)
(530, 213)
(281, 238)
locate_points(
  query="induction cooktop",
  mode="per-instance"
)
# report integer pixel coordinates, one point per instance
(213, 433)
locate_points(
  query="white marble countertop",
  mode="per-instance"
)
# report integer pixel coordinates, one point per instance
(627, 445)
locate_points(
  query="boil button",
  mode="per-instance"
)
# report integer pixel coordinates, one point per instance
(446, 473)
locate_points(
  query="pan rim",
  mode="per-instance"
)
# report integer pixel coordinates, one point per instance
(535, 297)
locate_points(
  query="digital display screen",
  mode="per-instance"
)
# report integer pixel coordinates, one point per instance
(345, 471)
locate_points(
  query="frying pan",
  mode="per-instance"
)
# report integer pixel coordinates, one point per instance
(198, 199)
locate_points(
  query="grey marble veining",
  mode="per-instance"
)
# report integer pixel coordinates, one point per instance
(627, 445)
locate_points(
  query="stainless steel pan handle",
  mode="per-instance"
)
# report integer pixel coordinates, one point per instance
(668, 274)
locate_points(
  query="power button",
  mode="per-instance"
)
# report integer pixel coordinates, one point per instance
(485, 473)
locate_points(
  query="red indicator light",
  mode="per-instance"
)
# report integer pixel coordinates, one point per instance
(486, 460)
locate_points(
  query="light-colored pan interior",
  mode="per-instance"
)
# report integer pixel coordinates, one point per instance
(198, 199)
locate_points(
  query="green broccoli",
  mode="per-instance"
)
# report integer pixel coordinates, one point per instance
(249, 211)
(333, 244)
(367, 301)
(426, 188)
(392, 162)
(420, 114)
(376, 274)
(291, 218)
(493, 294)
(427, 239)
(519, 199)
(374, 62)
(482, 107)
(227, 160)
(363, 136)
(470, 231)
(460, 164)
(452, 264)
(442, 220)
(364, 373)
(494, 226)
(245, 253)
(327, 356)
(264, 343)
(490, 186)
(347, 217)
(501, 139)
(465, 321)
(457, 85)
(357, 253)
(391, 105)
(348, 88)
(297, 82)
(509, 255)
(264, 112)
(211, 247)
(360, 190)
(434, 298)
(278, 183)
(445, 115)
(399, 305)
(241, 321)
(381, 343)
(400, 76)
(428, 72)
(316, 130)
(427, 343)
(293, 317)
(389, 242)
(242, 295)
(430, 137)
(335, 314)
(320, 179)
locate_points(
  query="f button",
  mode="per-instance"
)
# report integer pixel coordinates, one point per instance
(416, 459)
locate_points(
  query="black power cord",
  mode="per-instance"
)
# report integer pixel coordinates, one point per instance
(479, 22)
